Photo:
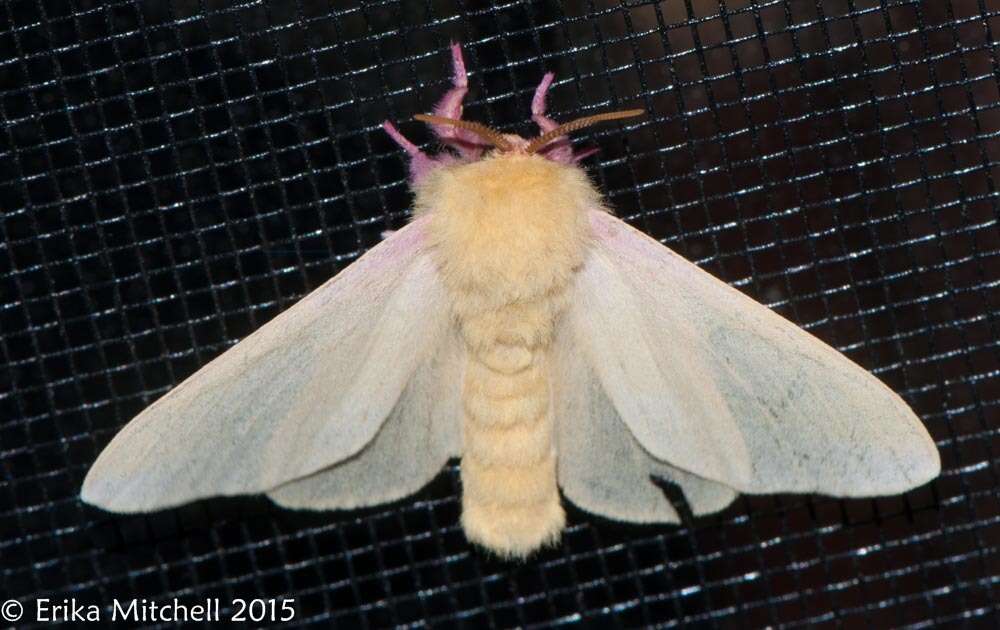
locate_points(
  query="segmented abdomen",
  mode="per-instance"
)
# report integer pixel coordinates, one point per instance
(510, 498)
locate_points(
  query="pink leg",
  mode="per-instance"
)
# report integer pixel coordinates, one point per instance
(583, 154)
(538, 104)
(559, 150)
(420, 164)
(450, 106)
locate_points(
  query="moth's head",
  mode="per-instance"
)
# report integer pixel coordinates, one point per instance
(505, 175)
(541, 145)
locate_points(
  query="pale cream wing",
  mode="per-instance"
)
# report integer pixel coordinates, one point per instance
(307, 390)
(716, 384)
(602, 468)
(421, 433)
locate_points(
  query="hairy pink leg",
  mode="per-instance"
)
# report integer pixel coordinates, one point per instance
(559, 150)
(538, 104)
(450, 106)
(420, 164)
(468, 144)
(583, 154)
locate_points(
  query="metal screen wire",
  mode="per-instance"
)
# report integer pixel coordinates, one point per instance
(175, 174)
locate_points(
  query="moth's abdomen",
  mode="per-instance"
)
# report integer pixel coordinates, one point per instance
(510, 498)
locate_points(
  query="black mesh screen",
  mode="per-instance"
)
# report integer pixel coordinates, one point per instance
(174, 174)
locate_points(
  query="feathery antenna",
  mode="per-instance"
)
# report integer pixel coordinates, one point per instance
(574, 125)
(489, 135)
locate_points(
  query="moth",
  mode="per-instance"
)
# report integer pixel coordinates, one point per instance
(516, 324)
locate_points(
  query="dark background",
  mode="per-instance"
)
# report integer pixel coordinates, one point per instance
(174, 174)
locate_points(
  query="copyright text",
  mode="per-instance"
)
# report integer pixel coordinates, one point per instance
(146, 610)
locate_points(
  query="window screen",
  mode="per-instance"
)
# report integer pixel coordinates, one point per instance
(174, 174)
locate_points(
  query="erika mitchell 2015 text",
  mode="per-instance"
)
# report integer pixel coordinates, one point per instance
(174, 610)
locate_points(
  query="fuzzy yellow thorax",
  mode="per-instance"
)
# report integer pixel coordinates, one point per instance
(508, 228)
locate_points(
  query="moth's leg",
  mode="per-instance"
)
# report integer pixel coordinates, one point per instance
(420, 164)
(560, 150)
(465, 142)
(538, 104)
(450, 105)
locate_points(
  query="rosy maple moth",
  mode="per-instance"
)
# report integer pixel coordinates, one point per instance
(516, 324)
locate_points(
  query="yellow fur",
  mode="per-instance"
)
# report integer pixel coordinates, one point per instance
(487, 412)
(515, 485)
(508, 228)
(489, 444)
(527, 324)
(514, 532)
(507, 234)
(481, 380)
(506, 359)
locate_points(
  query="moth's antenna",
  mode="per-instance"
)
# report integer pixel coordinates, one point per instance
(579, 123)
(489, 135)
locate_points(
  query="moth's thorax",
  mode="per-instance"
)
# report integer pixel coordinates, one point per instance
(508, 228)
